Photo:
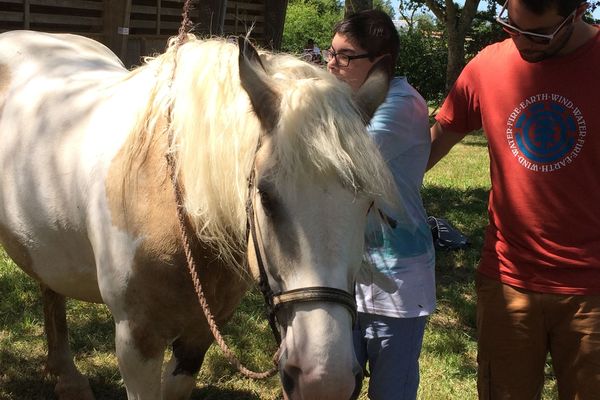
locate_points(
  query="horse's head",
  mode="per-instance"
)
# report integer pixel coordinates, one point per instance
(315, 175)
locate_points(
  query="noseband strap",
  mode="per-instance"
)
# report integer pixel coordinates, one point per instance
(317, 293)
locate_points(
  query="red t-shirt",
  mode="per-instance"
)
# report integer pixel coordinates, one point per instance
(542, 122)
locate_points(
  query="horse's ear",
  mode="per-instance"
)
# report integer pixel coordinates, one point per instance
(265, 100)
(374, 90)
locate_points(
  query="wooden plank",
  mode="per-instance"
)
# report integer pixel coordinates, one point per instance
(151, 10)
(210, 17)
(64, 20)
(275, 11)
(245, 17)
(11, 16)
(145, 24)
(231, 29)
(79, 4)
(116, 25)
(245, 6)
(26, 15)
(142, 24)
(158, 10)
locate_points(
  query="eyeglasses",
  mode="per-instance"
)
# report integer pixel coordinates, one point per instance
(342, 60)
(534, 37)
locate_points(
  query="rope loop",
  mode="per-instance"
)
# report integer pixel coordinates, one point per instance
(184, 29)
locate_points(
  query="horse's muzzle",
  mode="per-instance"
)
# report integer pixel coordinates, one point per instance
(298, 387)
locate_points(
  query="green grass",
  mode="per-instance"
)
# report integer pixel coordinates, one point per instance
(455, 189)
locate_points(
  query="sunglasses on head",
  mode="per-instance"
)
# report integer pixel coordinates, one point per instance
(534, 37)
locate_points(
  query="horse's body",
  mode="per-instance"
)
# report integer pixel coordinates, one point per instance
(87, 207)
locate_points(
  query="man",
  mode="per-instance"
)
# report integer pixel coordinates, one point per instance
(397, 293)
(538, 281)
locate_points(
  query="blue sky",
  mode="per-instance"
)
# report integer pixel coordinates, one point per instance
(483, 5)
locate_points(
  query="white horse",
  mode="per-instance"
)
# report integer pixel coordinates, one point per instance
(88, 210)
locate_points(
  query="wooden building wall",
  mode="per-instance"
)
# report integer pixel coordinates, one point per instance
(135, 28)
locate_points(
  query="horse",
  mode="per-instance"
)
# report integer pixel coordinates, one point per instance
(257, 140)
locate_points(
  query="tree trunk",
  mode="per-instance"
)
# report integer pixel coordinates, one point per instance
(456, 55)
(353, 6)
(457, 23)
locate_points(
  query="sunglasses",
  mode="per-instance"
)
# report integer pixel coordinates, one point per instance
(534, 37)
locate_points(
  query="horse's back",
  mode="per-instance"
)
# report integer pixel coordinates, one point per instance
(55, 52)
(36, 64)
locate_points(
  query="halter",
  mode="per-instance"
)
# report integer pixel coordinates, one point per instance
(276, 301)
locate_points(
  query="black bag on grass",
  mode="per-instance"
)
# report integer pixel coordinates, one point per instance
(446, 236)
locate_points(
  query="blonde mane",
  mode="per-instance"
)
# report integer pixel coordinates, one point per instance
(215, 133)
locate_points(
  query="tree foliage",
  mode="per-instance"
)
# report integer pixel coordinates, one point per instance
(385, 5)
(310, 19)
(422, 58)
(314, 19)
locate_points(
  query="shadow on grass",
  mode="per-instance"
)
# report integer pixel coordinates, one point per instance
(455, 270)
(25, 378)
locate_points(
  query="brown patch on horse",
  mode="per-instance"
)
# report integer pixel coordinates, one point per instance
(160, 295)
(5, 76)
(71, 383)
(16, 249)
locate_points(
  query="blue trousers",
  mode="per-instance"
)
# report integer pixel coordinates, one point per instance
(391, 347)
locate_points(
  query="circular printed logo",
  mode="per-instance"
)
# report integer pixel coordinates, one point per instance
(546, 132)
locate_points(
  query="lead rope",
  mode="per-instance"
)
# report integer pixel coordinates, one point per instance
(191, 263)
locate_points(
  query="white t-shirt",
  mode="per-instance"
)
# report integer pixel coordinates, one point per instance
(398, 278)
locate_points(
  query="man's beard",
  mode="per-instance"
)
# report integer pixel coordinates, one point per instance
(537, 56)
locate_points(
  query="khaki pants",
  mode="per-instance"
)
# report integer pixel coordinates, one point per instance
(516, 330)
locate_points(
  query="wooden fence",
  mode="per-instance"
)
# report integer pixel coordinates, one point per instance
(134, 28)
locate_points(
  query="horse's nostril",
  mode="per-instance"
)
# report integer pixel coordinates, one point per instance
(358, 377)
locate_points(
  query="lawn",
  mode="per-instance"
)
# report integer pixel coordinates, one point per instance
(455, 189)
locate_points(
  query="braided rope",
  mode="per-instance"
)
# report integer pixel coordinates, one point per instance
(186, 22)
(191, 263)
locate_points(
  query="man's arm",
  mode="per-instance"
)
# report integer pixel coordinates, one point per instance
(442, 141)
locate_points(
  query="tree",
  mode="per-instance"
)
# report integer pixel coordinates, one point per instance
(423, 57)
(409, 12)
(309, 19)
(384, 5)
(457, 23)
(353, 6)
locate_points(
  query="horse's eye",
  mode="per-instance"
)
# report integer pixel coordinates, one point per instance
(267, 201)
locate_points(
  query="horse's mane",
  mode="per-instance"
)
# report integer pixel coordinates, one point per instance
(215, 133)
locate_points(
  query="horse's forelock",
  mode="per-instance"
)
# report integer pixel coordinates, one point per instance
(216, 133)
(322, 130)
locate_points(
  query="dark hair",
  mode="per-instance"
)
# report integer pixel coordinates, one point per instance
(373, 30)
(563, 7)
